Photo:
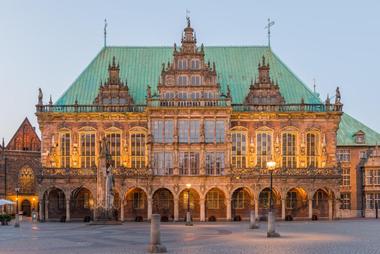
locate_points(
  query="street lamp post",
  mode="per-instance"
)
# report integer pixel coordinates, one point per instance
(271, 165)
(17, 219)
(188, 214)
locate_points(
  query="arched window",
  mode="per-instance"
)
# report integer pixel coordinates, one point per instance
(239, 150)
(264, 148)
(87, 150)
(138, 150)
(312, 149)
(289, 150)
(182, 64)
(195, 64)
(26, 180)
(114, 143)
(65, 143)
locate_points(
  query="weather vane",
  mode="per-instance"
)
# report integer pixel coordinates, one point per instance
(105, 32)
(270, 24)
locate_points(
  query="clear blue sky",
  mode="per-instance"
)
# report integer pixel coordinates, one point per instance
(48, 43)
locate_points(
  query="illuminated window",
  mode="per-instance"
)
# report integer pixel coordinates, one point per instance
(114, 143)
(65, 149)
(239, 150)
(346, 200)
(87, 150)
(289, 150)
(138, 200)
(26, 180)
(138, 150)
(186, 199)
(264, 148)
(346, 177)
(312, 149)
(213, 199)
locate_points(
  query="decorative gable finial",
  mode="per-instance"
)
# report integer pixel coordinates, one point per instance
(50, 101)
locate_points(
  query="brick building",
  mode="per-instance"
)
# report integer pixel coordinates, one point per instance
(209, 117)
(20, 164)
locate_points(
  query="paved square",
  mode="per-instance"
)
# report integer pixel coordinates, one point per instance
(347, 236)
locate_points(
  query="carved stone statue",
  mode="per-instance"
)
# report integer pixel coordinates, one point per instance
(40, 96)
(110, 193)
(337, 96)
(148, 92)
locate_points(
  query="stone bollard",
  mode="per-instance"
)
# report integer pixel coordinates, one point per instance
(188, 219)
(155, 235)
(272, 226)
(252, 220)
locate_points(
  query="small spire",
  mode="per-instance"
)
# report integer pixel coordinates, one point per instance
(3, 144)
(175, 46)
(50, 101)
(105, 32)
(76, 101)
(202, 48)
(213, 66)
(113, 61)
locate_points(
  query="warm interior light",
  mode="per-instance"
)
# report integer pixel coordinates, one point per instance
(271, 165)
(188, 185)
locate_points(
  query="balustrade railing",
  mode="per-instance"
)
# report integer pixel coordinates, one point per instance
(249, 172)
(288, 108)
(76, 108)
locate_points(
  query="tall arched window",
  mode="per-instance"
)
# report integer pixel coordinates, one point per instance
(289, 159)
(114, 143)
(264, 148)
(87, 150)
(239, 150)
(65, 144)
(312, 149)
(138, 150)
(26, 180)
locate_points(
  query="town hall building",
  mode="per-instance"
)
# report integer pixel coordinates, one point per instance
(194, 124)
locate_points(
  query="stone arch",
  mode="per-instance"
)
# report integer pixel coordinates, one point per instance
(26, 207)
(81, 203)
(163, 204)
(241, 203)
(224, 191)
(321, 198)
(215, 204)
(194, 203)
(264, 200)
(296, 202)
(136, 205)
(54, 200)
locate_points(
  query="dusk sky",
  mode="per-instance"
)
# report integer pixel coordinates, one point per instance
(48, 44)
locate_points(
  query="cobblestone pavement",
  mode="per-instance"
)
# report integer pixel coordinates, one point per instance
(345, 236)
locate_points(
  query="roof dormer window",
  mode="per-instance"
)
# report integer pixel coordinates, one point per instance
(359, 137)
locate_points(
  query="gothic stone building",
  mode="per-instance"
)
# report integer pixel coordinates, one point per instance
(20, 163)
(211, 117)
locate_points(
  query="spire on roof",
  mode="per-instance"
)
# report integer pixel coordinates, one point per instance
(105, 32)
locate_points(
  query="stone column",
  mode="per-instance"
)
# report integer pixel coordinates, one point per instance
(228, 208)
(283, 206)
(40, 210)
(149, 215)
(176, 209)
(122, 203)
(203, 209)
(257, 207)
(310, 209)
(67, 209)
(252, 220)
(330, 209)
(46, 210)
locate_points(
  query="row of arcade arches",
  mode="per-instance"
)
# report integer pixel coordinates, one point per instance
(215, 205)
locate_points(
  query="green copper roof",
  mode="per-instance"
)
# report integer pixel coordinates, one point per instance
(349, 126)
(235, 66)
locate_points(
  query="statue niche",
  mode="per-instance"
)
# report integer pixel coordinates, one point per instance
(113, 91)
(263, 91)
